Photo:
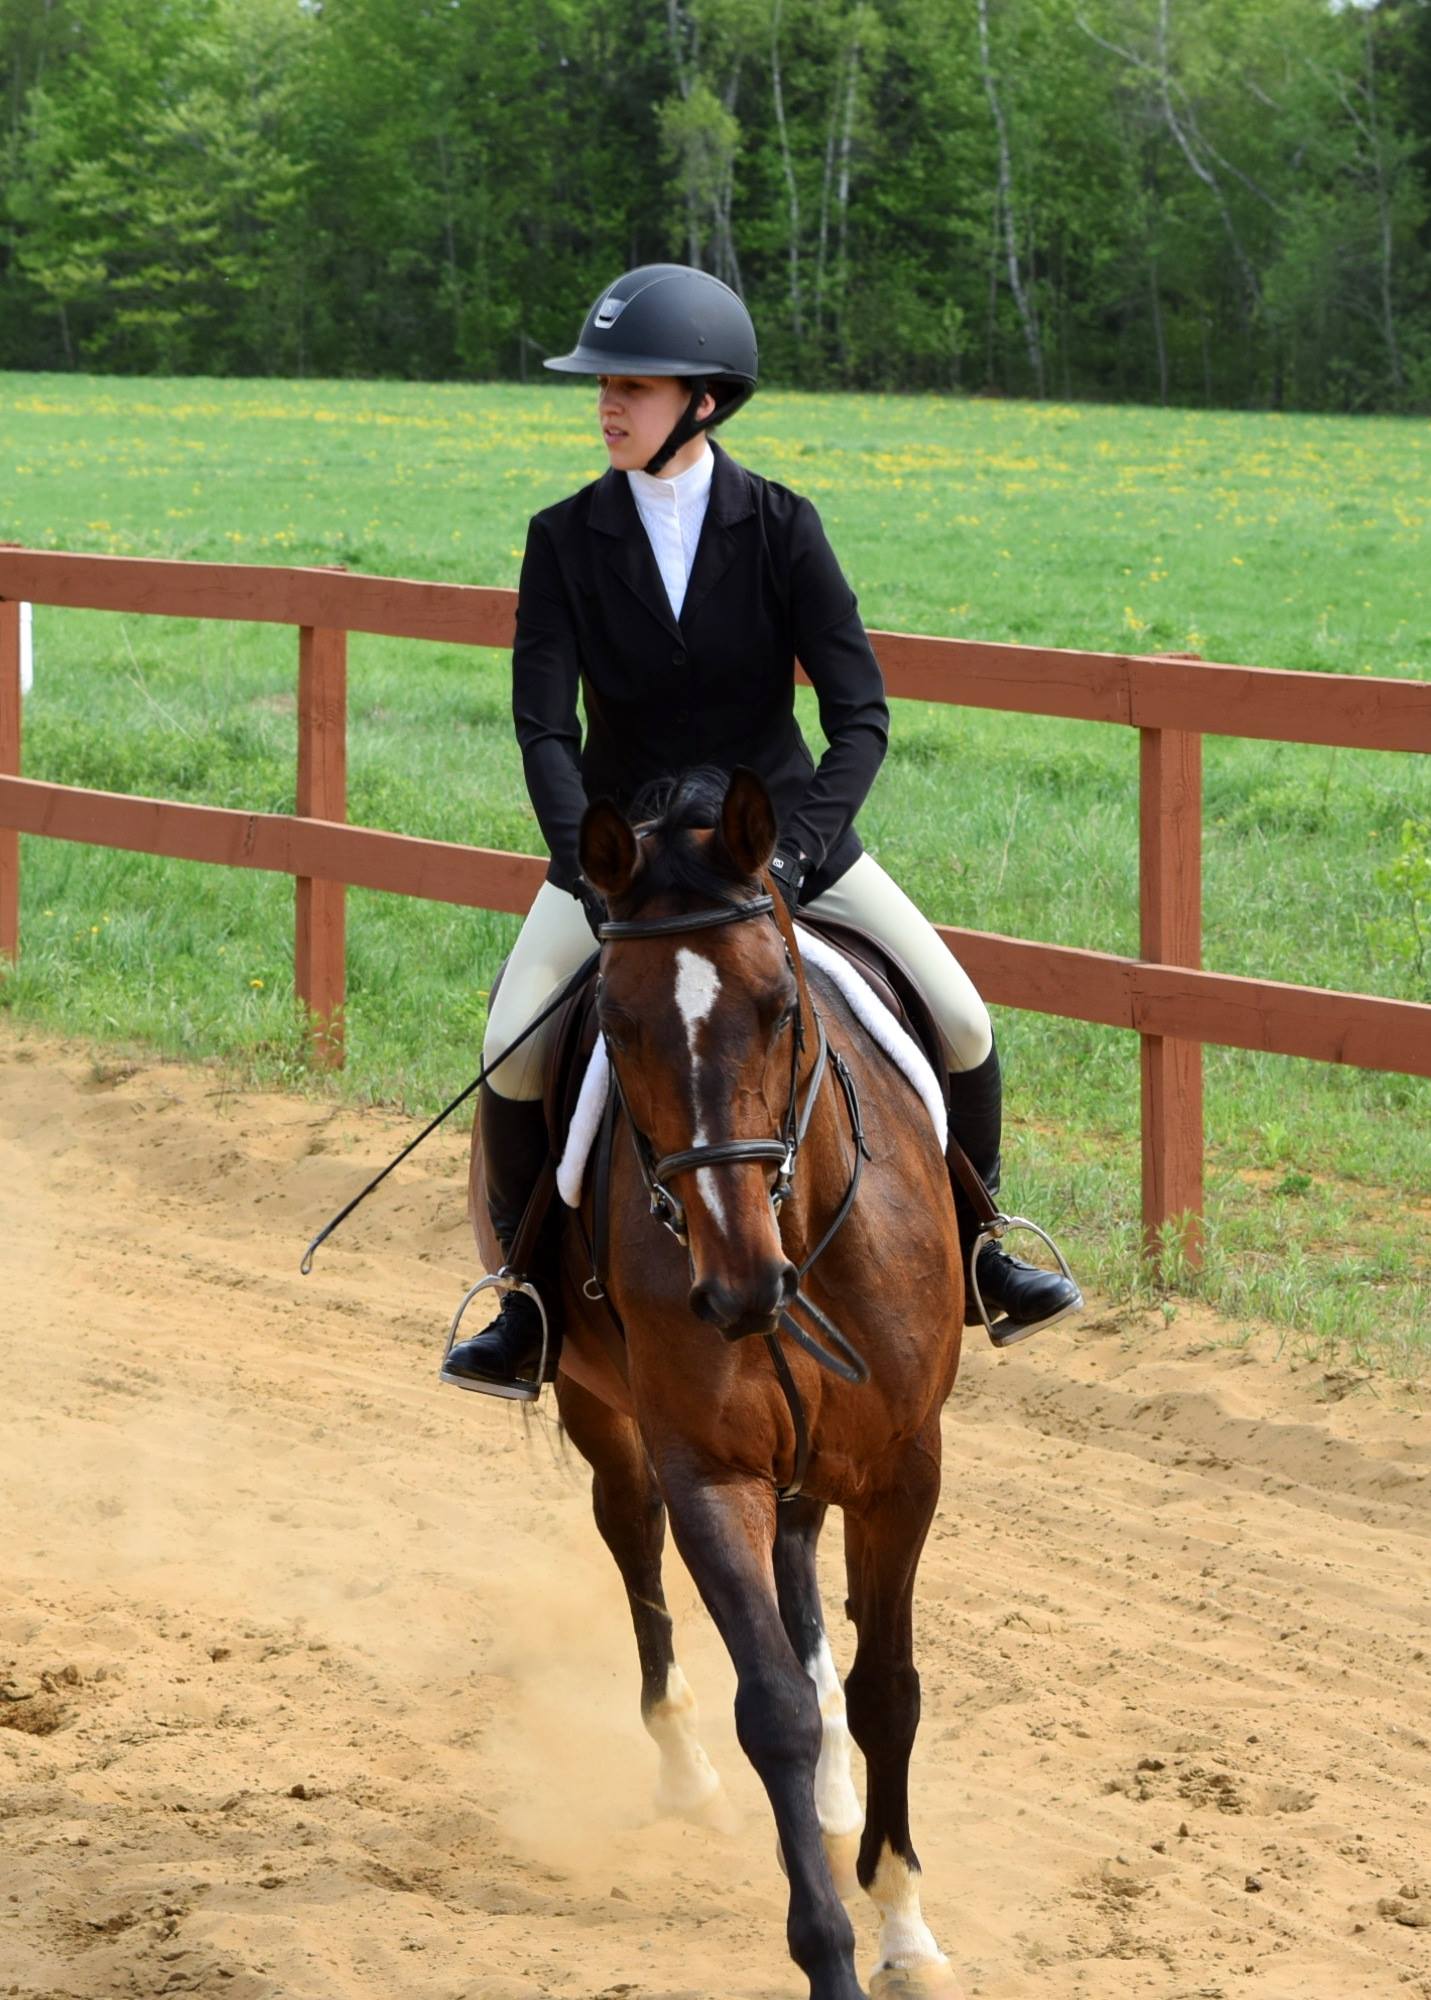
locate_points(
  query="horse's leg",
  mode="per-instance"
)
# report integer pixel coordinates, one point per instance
(797, 1534)
(632, 1520)
(725, 1529)
(882, 1548)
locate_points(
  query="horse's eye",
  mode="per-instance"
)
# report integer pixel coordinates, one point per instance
(618, 1029)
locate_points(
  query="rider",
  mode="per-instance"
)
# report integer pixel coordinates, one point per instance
(675, 593)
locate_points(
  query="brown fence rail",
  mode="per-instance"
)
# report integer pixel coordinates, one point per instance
(1164, 996)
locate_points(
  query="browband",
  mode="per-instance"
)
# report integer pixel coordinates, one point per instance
(696, 920)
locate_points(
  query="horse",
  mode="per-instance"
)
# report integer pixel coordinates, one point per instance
(753, 1103)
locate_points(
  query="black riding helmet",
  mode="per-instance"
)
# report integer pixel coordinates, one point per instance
(670, 319)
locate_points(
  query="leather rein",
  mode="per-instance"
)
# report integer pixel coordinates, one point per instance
(782, 1150)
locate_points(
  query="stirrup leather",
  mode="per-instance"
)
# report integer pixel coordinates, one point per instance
(505, 1280)
(993, 1232)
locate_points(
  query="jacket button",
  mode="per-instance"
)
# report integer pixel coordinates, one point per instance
(678, 658)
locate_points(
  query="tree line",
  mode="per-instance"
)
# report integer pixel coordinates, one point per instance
(1191, 201)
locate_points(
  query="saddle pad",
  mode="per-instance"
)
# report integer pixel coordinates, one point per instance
(900, 1046)
(872, 1014)
(585, 1123)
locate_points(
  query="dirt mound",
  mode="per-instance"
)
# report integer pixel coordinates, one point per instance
(315, 1681)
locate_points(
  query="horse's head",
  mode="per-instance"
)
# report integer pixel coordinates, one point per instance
(703, 1024)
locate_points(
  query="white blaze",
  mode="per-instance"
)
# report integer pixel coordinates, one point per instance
(697, 984)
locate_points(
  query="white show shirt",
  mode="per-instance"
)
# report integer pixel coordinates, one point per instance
(672, 511)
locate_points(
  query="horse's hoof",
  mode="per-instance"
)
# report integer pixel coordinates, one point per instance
(927, 1979)
(842, 1851)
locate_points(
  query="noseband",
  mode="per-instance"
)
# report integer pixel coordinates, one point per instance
(784, 1150)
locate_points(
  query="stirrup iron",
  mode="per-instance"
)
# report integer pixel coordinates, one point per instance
(994, 1231)
(517, 1391)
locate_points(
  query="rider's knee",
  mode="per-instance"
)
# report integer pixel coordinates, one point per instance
(968, 1032)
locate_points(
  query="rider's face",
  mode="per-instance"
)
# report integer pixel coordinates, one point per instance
(637, 414)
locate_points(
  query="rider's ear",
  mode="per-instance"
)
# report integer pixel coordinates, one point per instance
(747, 822)
(607, 849)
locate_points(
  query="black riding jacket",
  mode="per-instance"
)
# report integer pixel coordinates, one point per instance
(715, 687)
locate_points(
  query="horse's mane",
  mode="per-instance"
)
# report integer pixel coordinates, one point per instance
(665, 814)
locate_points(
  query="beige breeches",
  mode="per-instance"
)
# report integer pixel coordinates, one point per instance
(555, 939)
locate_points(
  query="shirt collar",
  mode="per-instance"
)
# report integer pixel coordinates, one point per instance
(692, 485)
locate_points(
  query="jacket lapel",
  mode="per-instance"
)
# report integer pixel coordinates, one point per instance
(626, 547)
(730, 503)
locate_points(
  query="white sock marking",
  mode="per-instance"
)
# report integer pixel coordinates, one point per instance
(837, 1803)
(688, 1778)
(904, 1939)
(697, 984)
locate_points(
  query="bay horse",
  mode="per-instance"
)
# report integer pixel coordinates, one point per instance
(716, 1036)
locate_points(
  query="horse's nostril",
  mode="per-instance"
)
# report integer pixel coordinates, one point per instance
(713, 1303)
(748, 1311)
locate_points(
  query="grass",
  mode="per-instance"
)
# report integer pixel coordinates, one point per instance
(1285, 541)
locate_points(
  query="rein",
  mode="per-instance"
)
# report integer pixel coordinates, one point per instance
(783, 1150)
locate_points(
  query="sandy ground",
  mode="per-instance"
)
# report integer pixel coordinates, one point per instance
(315, 1681)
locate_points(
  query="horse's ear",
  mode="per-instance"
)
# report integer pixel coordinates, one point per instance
(747, 822)
(607, 849)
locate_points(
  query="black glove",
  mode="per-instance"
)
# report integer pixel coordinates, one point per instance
(593, 907)
(788, 866)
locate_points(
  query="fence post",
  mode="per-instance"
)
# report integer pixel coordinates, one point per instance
(10, 767)
(1170, 901)
(319, 974)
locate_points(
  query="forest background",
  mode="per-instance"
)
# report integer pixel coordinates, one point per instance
(1193, 201)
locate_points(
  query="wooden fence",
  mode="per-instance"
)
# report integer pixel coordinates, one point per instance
(1163, 996)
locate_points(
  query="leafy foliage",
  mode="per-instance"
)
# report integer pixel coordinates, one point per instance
(1196, 201)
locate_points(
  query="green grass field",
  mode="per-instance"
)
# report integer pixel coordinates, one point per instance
(1283, 541)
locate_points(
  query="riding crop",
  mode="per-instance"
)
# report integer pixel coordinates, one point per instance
(577, 980)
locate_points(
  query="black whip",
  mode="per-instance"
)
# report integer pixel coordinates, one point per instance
(577, 980)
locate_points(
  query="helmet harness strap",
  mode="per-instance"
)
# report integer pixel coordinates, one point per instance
(686, 426)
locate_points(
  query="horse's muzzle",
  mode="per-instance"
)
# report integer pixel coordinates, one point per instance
(752, 1308)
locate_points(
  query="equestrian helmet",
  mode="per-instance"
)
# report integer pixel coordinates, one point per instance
(669, 319)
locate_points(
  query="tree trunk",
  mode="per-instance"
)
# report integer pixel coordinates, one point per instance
(1383, 213)
(1206, 360)
(842, 196)
(675, 29)
(1028, 314)
(449, 237)
(991, 323)
(1159, 338)
(796, 308)
(827, 182)
(726, 261)
(1199, 166)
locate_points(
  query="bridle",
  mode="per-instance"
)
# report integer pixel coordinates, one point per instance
(782, 1150)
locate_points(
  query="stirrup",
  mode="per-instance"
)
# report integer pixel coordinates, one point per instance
(515, 1391)
(999, 1330)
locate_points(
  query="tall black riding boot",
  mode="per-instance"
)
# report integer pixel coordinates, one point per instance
(501, 1360)
(1020, 1298)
